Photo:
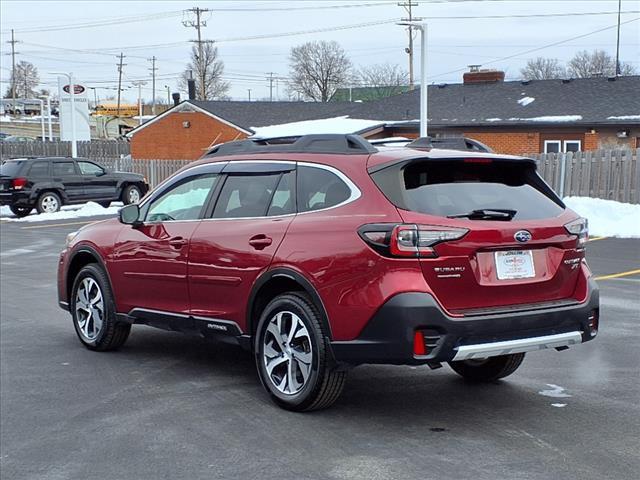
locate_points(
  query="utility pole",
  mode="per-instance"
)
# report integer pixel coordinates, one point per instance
(197, 24)
(270, 85)
(617, 42)
(120, 65)
(153, 83)
(407, 6)
(168, 96)
(139, 84)
(13, 42)
(249, 90)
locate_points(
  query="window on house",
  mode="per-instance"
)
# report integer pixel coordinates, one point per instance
(552, 146)
(572, 145)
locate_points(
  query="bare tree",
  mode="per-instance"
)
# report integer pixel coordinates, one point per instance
(384, 79)
(542, 69)
(26, 81)
(210, 69)
(586, 64)
(317, 69)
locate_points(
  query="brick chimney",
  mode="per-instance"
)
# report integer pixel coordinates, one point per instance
(477, 75)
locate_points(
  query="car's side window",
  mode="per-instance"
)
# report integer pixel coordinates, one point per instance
(39, 170)
(185, 201)
(61, 169)
(246, 195)
(283, 200)
(88, 168)
(319, 188)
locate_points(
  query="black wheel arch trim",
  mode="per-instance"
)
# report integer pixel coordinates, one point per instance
(94, 253)
(297, 277)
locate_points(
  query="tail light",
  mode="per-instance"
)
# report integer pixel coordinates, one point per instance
(408, 240)
(18, 183)
(579, 227)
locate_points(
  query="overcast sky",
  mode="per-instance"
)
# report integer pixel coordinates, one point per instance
(141, 29)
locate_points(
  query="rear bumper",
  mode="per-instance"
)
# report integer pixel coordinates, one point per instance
(15, 198)
(389, 336)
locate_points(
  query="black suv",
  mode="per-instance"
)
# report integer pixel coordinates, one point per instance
(49, 183)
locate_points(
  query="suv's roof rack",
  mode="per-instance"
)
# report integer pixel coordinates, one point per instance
(325, 143)
(453, 143)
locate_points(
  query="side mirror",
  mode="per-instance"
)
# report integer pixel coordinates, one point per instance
(129, 215)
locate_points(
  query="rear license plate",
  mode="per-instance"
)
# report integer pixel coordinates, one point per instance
(514, 264)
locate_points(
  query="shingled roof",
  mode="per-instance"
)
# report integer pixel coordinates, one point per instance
(585, 101)
(260, 114)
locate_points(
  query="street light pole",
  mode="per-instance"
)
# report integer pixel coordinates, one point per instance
(422, 26)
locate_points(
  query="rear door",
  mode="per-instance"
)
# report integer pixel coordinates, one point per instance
(516, 252)
(66, 173)
(230, 249)
(99, 184)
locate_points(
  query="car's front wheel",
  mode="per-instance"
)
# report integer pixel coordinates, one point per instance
(488, 369)
(131, 194)
(49, 202)
(292, 355)
(93, 310)
(20, 211)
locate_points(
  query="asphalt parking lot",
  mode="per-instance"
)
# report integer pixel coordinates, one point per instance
(170, 406)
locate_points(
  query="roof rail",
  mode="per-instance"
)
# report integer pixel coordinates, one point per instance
(325, 143)
(452, 143)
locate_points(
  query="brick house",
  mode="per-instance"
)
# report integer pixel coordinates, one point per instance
(512, 117)
(189, 128)
(522, 117)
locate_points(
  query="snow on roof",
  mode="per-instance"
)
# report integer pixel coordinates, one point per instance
(549, 118)
(524, 101)
(342, 124)
(624, 117)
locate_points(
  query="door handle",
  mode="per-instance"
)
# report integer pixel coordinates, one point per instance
(177, 242)
(260, 242)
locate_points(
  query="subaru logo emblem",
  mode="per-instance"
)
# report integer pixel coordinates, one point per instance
(522, 236)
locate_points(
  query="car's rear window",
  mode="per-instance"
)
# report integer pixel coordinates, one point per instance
(11, 168)
(457, 187)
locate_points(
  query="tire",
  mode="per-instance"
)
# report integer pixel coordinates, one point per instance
(488, 370)
(49, 202)
(20, 211)
(131, 194)
(111, 334)
(104, 204)
(285, 382)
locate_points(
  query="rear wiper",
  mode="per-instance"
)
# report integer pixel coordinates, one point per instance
(487, 214)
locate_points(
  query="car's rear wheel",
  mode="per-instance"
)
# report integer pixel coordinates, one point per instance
(93, 311)
(488, 369)
(20, 211)
(292, 355)
(131, 194)
(49, 202)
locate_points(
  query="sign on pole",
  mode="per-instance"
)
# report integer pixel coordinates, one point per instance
(83, 132)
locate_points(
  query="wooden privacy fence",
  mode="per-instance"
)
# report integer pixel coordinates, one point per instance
(608, 174)
(94, 149)
(155, 171)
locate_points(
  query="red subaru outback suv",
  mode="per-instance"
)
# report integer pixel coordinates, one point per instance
(326, 253)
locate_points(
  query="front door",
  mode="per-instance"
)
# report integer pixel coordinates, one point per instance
(230, 250)
(99, 185)
(149, 262)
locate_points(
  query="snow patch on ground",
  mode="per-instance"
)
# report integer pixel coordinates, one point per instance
(624, 117)
(555, 391)
(342, 125)
(559, 405)
(493, 120)
(549, 118)
(606, 217)
(89, 209)
(526, 101)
